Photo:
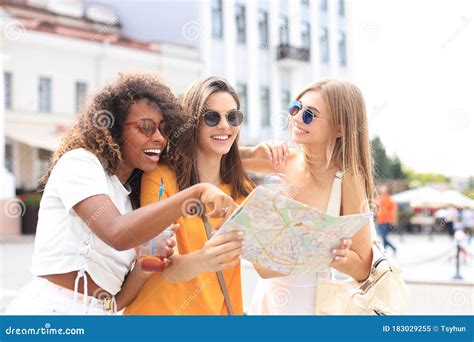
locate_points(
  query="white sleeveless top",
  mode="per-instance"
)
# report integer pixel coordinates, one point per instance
(64, 242)
(295, 294)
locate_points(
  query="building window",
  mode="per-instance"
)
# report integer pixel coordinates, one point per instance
(240, 23)
(305, 35)
(284, 32)
(9, 157)
(285, 99)
(44, 93)
(324, 44)
(342, 49)
(342, 9)
(263, 28)
(44, 157)
(217, 19)
(8, 89)
(242, 93)
(81, 91)
(323, 5)
(265, 106)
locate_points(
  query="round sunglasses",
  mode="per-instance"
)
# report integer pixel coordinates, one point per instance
(148, 127)
(308, 115)
(234, 117)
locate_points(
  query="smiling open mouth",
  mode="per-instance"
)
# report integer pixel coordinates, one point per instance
(153, 153)
(223, 137)
(299, 131)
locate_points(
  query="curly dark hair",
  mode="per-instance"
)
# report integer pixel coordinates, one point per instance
(100, 124)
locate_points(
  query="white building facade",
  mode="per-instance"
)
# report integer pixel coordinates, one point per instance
(54, 55)
(270, 50)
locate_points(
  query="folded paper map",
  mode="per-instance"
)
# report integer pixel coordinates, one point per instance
(288, 236)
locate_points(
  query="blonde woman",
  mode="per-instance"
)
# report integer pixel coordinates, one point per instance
(329, 124)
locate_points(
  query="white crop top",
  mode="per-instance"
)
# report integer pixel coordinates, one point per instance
(64, 242)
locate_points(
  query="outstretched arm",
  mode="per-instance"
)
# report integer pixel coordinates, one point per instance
(127, 231)
(266, 157)
(219, 253)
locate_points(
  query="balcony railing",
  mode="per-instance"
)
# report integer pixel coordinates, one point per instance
(285, 51)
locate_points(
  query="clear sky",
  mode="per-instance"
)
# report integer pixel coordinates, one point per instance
(414, 61)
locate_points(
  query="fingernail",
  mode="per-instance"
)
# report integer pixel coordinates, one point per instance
(240, 233)
(344, 241)
(337, 258)
(334, 251)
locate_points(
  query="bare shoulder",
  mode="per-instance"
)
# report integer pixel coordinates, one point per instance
(293, 162)
(353, 180)
(295, 156)
(294, 153)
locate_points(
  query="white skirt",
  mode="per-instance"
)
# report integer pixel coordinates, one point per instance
(42, 297)
(289, 295)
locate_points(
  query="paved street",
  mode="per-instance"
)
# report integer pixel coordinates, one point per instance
(428, 267)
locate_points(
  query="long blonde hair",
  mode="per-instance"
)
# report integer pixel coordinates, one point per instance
(351, 152)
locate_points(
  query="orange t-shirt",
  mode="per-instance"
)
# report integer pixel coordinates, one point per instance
(201, 295)
(387, 210)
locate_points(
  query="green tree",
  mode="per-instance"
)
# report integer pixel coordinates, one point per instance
(470, 191)
(424, 177)
(385, 166)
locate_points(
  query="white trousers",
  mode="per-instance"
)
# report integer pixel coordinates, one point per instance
(42, 297)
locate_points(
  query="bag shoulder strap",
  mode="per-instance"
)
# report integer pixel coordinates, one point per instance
(334, 208)
(335, 197)
(220, 275)
(335, 200)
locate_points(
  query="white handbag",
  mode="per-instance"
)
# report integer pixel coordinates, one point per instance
(383, 293)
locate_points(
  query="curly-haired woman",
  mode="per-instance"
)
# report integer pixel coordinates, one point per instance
(87, 229)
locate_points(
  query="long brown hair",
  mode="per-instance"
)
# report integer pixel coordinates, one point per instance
(351, 152)
(184, 141)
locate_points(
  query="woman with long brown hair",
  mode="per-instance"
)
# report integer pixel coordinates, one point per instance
(204, 149)
(87, 229)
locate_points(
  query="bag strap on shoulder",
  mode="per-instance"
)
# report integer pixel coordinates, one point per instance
(220, 276)
(334, 208)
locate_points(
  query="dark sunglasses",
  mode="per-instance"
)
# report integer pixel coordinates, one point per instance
(308, 115)
(148, 127)
(234, 118)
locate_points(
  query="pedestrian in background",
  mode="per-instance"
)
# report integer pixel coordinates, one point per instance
(386, 215)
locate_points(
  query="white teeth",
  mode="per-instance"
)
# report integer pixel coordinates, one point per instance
(299, 131)
(220, 137)
(152, 150)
